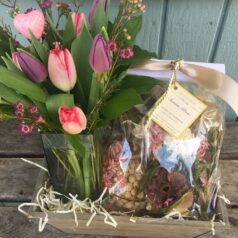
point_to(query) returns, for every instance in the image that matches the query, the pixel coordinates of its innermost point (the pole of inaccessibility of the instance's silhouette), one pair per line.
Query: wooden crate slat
(18, 179)
(13, 224)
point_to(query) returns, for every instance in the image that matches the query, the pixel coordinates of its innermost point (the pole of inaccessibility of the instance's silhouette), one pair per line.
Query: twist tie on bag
(175, 65)
(47, 202)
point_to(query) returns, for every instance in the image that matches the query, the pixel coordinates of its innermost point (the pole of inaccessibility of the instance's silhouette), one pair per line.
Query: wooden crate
(143, 227)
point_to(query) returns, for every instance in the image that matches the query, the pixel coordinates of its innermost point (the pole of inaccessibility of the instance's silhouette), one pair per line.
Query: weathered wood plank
(18, 179)
(229, 181)
(13, 144)
(230, 143)
(13, 224)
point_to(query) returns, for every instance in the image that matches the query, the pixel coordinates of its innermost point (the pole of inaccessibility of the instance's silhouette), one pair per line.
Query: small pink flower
(25, 129)
(19, 106)
(39, 119)
(126, 53)
(46, 4)
(112, 46)
(202, 149)
(72, 119)
(61, 4)
(33, 109)
(19, 113)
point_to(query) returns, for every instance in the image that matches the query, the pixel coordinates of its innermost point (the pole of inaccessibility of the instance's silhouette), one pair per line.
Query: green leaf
(133, 27)
(104, 33)
(22, 85)
(96, 88)
(69, 33)
(140, 53)
(141, 84)
(80, 50)
(12, 96)
(11, 66)
(76, 143)
(121, 103)
(40, 49)
(99, 19)
(53, 28)
(55, 101)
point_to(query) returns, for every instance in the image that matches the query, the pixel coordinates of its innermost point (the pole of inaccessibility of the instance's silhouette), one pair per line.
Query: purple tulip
(99, 57)
(94, 8)
(30, 66)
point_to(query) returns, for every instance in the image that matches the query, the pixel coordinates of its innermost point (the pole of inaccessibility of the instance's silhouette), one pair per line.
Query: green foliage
(80, 51)
(99, 19)
(133, 27)
(53, 29)
(69, 33)
(22, 85)
(55, 101)
(12, 96)
(141, 84)
(40, 49)
(121, 103)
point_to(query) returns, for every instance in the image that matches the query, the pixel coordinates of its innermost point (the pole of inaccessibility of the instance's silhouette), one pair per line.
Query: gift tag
(176, 110)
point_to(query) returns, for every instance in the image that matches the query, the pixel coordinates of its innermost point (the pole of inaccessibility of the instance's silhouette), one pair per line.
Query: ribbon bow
(213, 80)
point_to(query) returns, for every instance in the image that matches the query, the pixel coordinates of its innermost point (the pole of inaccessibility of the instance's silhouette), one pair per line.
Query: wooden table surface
(17, 181)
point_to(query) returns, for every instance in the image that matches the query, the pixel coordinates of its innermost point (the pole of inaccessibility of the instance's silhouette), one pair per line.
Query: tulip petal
(62, 69)
(72, 119)
(33, 21)
(78, 20)
(31, 67)
(99, 58)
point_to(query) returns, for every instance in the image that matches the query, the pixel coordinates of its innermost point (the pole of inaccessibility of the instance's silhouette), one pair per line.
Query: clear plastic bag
(170, 174)
(123, 167)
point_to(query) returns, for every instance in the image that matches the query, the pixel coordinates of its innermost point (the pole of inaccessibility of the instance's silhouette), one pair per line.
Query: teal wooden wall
(196, 30)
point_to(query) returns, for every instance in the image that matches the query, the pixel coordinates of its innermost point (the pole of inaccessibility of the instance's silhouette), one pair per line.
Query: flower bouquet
(105, 154)
(71, 81)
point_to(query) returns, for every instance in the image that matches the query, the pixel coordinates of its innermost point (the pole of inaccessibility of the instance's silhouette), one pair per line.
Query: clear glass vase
(74, 164)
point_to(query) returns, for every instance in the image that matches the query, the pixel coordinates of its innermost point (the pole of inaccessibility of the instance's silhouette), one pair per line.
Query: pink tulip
(100, 58)
(78, 20)
(94, 8)
(72, 119)
(32, 20)
(62, 69)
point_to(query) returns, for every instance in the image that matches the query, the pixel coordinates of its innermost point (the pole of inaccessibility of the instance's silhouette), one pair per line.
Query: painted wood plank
(227, 51)
(190, 27)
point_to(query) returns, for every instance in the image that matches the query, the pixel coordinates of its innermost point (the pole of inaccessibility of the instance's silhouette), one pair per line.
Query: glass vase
(74, 164)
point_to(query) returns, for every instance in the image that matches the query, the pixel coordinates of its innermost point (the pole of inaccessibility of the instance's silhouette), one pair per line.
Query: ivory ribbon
(215, 81)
